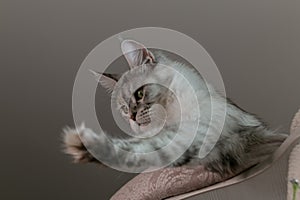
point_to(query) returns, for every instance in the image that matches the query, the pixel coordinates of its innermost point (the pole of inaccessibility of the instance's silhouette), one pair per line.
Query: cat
(244, 138)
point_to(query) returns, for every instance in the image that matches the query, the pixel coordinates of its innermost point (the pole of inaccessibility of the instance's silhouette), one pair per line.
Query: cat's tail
(250, 148)
(262, 146)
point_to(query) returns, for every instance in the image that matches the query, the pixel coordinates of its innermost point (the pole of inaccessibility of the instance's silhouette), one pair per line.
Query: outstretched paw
(75, 141)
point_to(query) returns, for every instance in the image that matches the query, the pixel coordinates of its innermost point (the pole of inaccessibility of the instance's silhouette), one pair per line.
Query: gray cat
(154, 100)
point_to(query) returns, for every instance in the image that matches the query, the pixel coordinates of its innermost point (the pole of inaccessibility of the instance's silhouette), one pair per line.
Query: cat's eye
(140, 94)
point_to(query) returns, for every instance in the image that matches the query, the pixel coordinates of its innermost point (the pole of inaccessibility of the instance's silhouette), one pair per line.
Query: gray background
(255, 44)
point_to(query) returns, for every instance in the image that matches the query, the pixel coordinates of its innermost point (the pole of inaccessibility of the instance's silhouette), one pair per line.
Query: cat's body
(244, 138)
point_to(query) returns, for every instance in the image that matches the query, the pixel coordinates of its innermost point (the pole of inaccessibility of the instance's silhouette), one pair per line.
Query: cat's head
(141, 94)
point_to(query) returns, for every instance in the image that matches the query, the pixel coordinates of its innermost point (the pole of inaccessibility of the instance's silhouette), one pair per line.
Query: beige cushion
(197, 183)
(294, 159)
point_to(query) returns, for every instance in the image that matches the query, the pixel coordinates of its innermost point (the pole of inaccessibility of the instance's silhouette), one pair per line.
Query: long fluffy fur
(244, 139)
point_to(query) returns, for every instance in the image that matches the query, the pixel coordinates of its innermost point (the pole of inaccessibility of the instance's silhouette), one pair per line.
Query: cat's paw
(75, 142)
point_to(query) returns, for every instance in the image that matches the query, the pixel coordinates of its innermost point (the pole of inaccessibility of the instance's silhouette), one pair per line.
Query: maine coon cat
(244, 138)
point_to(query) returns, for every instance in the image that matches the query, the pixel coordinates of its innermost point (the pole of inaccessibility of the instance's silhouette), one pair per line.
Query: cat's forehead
(129, 83)
(127, 91)
(137, 77)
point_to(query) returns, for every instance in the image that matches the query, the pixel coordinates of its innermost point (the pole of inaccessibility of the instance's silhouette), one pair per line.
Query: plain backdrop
(255, 44)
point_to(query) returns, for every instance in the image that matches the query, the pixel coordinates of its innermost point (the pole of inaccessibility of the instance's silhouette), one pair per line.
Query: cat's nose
(133, 116)
(133, 112)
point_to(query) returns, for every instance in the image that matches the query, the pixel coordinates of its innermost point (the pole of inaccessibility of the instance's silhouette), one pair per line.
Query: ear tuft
(107, 81)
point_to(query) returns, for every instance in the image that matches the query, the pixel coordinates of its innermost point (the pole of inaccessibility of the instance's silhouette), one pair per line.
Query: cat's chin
(139, 130)
(144, 131)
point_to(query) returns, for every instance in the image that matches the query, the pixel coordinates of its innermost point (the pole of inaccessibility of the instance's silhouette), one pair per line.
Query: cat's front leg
(134, 154)
(84, 145)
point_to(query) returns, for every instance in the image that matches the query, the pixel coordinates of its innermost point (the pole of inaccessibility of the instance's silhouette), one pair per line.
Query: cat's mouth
(144, 123)
(143, 118)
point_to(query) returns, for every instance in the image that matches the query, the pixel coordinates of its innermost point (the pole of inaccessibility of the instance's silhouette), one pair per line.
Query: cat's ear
(106, 80)
(136, 53)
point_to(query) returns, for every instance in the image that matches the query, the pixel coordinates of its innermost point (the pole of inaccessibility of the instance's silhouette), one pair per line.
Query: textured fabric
(167, 182)
(294, 170)
(173, 181)
(295, 123)
(294, 160)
